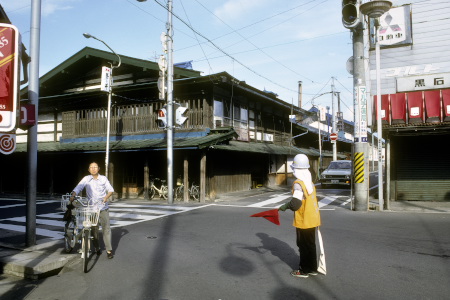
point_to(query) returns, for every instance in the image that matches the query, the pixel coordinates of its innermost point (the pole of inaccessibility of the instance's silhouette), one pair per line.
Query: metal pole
(108, 124)
(361, 189)
(108, 117)
(387, 143)
(379, 126)
(320, 144)
(33, 96)
(170, 105)
(333, 119)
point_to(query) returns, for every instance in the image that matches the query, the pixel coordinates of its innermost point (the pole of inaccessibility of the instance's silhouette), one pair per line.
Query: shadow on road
(278, 248)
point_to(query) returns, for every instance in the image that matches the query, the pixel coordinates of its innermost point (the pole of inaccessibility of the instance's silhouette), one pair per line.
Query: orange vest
(307, 216)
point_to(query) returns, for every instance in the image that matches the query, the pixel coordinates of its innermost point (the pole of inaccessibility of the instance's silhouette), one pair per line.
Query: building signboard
(423, 82)
(395, 28)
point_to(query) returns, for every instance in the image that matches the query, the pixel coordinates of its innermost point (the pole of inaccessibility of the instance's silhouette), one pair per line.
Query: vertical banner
(9, 76)
(105, 83)
(360, 104)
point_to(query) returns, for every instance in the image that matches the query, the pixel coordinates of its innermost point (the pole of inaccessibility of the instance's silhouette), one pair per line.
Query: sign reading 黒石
(423, 82)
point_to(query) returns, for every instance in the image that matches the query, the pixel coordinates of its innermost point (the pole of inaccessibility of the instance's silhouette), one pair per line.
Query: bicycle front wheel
(86, 246)
(195, 192)
(69, 236)
(164, 191)
(179, 193)
(151, 193)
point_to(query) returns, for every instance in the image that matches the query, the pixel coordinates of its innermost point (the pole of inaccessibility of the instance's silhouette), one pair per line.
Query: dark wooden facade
(233, 137)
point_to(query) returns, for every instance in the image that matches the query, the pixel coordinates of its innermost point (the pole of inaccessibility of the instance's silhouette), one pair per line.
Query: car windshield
(340, 165)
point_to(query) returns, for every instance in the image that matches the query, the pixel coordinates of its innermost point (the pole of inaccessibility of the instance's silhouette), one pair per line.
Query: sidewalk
(48, 258)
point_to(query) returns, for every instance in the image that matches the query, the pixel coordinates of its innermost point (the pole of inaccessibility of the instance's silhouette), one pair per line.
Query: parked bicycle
(77, 229)
(162, 191)
(194, 192)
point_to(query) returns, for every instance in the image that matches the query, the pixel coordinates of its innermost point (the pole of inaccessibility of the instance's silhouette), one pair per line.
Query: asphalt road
(219, 252)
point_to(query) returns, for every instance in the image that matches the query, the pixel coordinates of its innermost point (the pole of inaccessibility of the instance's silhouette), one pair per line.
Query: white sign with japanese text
(423, 82)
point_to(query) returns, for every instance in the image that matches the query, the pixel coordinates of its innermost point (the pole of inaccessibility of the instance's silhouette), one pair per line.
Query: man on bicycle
(98, 188)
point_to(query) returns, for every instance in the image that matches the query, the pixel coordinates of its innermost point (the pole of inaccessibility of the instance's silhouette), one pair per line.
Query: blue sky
(268, 44)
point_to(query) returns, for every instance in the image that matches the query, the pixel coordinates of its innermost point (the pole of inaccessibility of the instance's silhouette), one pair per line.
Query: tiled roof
(197, 142)
(270, 149)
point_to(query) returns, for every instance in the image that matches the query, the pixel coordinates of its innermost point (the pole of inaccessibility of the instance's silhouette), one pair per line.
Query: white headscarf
(305, 176)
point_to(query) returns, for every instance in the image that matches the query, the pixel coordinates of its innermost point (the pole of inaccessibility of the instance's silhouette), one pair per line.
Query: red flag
(271, 215)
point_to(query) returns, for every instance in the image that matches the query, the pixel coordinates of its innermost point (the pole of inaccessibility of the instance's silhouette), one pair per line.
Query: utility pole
(169, 104)
(351, 19)
(360, 157)
(333, 119)
(33, 96)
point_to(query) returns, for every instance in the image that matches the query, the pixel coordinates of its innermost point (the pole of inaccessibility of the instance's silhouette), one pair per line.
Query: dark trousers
(306, 242)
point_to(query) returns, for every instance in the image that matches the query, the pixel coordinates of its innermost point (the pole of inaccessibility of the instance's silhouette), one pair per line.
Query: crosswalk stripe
(39, 231)
(121, 214)
(327, 200)
(39, 221)
(273, 200)
(270, 203)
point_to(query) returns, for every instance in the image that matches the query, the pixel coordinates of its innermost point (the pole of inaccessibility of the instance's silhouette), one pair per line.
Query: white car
(339, 172)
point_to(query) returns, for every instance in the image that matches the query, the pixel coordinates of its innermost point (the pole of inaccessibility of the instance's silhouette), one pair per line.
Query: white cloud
(51, 6)
(48, 7)
(237, 9)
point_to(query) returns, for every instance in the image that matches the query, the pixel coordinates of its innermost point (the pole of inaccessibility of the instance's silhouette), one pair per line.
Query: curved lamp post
(375, 9)
(108, 125)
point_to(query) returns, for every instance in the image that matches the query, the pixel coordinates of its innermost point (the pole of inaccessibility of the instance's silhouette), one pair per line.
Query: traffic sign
(7, 143)
(333, 137)
(9, 76)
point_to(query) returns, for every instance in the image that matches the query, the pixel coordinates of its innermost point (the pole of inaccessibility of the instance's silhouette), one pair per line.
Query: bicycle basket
(64, 201)
(88, 216)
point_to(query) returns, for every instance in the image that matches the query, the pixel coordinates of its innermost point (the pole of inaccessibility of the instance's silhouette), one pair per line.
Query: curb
(35, 262)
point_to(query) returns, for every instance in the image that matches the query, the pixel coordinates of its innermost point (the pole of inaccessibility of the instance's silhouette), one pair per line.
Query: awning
(268, 148)
(185, 141)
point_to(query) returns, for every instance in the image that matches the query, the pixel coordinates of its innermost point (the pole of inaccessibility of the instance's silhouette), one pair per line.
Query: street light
(375, 9)
(108, 125)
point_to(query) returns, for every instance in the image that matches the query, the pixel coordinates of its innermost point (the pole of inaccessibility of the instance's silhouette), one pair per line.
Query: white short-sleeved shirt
(96, 189)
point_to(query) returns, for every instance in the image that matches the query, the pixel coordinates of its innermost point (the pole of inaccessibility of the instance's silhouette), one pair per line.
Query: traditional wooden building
(236, 137)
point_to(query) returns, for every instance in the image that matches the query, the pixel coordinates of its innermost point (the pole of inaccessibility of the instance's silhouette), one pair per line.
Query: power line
(223, 51)
(249, 25)
(254, 45)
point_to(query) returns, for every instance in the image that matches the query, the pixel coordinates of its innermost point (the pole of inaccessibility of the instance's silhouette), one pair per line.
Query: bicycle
(162, 191)
(77, 229)
(194, 192)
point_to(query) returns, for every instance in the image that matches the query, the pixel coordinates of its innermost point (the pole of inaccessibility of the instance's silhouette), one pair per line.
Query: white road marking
(44, 232)
(327, 200)
(121, 214)
(275, 199)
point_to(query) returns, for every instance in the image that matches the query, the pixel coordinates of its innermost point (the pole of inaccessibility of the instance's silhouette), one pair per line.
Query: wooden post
(111, 173)
(186, 179)
(111, 178)
(211, 180)
(286, 170)
(146, 179)
(52, 174)
(202, 177)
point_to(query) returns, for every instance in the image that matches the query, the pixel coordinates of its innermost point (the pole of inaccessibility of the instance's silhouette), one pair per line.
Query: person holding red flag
(306, 216)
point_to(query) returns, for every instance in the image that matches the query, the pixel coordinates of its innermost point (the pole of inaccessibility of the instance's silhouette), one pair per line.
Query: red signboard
(27, 115)
(9, 76)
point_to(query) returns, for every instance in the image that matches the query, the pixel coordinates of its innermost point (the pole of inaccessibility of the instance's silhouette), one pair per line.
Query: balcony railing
(127, 120)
